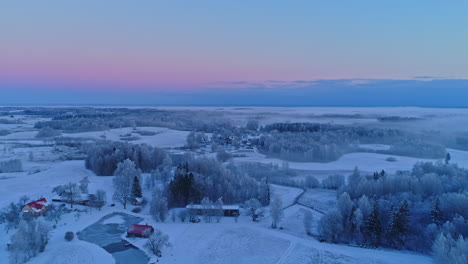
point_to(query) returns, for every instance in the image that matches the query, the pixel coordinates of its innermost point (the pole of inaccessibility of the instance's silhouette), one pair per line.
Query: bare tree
(158, 206)
(157, 241)
(218, 208)
(276, 211)
(54, 213)
(100, 198)
(253, 207)
(69, 191)
(84, 184)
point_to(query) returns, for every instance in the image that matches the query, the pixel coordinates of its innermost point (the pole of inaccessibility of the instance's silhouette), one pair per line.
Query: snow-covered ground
(367, 162)
(248, 242)
(230, 241)
(320, 199)
(287, 194)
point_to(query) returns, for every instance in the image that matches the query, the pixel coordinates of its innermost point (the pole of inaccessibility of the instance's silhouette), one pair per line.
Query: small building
(228, 210)
(36, 207)
(140, 231)
(137, 201)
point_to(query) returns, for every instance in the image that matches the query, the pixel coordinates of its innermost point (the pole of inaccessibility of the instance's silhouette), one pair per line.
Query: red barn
(37, 207)
(140, 231)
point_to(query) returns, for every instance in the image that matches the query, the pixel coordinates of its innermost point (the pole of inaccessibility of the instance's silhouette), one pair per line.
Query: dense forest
(404, 211)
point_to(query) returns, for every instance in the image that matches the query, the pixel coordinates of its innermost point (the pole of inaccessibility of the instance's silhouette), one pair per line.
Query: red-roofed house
(140, 231)
(36, 207)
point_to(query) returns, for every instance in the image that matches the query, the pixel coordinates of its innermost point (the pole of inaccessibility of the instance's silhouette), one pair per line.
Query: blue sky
(122, 52)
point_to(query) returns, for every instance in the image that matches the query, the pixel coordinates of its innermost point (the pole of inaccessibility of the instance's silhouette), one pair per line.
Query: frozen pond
(107, 234)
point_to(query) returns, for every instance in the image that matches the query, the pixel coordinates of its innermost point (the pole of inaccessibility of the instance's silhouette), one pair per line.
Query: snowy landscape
(234, 132)
(233, 185)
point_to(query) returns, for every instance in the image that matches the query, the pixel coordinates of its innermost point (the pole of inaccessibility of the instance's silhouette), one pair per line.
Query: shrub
(69, 236)
(136, 210)
(48, 132)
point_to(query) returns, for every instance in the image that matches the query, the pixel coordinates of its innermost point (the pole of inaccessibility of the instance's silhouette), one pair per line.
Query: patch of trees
(402, 211)
(14, 165)
(10, 122)
(126, 183)
(47, 132)
(196, 140)
(103, 158)
(267, 173)
(77, 125)
(398, 119)
(29, 240)
(202, 177)
(325, 142)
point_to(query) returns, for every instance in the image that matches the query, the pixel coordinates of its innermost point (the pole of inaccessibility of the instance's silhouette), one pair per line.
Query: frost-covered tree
(330, 225)
(196, 140)
(311, 182)
(398, 225)
(157, 241)
(365, 206)
(123, 180)
(222, 155)
(84, 184)
(345, 205)
(448, 250)
(356, 220)
(218, 207)
(54, 213)
(207, 209)
(373, 225)
(276, 211)
(23, 200)
(11, 216)
(158, 206)
(333, 182)
(254, 209)
(29, 240)
(252, 125)
(308, 218)
(436, 213)
(70, 192)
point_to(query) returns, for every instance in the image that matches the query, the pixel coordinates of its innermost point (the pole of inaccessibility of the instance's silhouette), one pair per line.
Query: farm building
(228, 210)
(36, 207)
(140, 231)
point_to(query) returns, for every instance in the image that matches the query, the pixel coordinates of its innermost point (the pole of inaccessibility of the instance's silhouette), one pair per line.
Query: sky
(307, 53)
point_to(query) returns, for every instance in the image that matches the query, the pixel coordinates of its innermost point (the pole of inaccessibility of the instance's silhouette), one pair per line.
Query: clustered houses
(140, 231)
(36, 208)
(228, 210)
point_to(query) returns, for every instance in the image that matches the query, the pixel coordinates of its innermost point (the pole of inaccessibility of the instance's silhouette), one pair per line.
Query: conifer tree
(136, 188)
(373, 225)
(436, 213)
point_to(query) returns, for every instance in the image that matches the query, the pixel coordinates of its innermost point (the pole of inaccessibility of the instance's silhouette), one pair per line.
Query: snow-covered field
(366, 162)
(320, 199)
(230, 241)
(247, 242)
